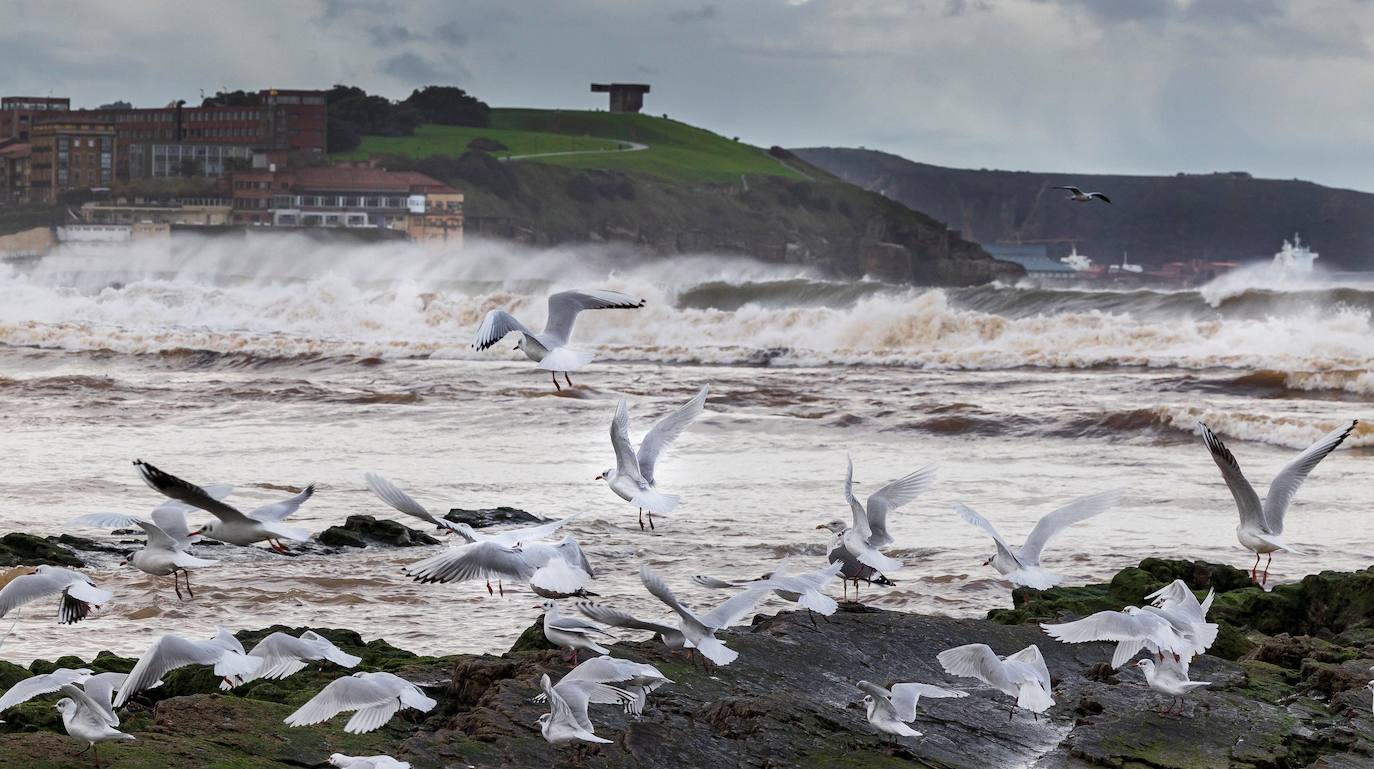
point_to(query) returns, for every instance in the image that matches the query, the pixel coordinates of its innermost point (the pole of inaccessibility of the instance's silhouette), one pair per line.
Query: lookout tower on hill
(625, 97)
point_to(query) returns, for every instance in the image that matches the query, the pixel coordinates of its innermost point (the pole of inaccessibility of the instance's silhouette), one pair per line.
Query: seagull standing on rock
(1171, 678)
(632, 478)
(856, 546)
(232, 526)
(550, 348)
(1022, 566)
(86, 721)
(570, 633)
(1261, 523)
(1079, 196)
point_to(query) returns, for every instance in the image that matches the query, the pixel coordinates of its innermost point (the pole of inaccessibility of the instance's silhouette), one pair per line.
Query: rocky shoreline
(1288, 690)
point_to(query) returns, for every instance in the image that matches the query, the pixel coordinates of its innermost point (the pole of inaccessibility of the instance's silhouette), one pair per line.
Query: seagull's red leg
(1265, 580)
(489, 590)
(1254, 569)
(641, 519)
(651, 520)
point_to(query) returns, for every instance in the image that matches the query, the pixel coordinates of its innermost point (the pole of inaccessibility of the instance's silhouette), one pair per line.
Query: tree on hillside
(354, 113)
(116, 105)
(449, 105)
(238, 98)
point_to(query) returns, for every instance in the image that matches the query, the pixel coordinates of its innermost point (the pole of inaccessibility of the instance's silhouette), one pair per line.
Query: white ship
(1077, 261)
(1294, 257)
(1126, 266)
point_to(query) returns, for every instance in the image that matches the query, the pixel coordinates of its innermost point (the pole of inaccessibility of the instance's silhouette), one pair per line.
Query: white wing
(658, 589)
(565, 305)
(969, 516)
(1286, 483)
(279, 511)
(667, 430)
(528, 534)
(495, 326)
(736, 609)
(101, 688)
(1049, 526)
(905, 697)
(860, 514)
(37, 686)
(399, 500)
(32, 587)
(478, 560)
(608, 615)
(626, 463)
(975, 661)
(893, 496)
(165, 655)
(349, 693)
(1247, 501)
(189, 493)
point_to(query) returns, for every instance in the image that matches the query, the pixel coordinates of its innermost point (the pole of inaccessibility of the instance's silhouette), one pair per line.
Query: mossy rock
(19, 549)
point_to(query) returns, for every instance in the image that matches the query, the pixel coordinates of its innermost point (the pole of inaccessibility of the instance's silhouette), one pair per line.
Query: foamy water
(256, 364)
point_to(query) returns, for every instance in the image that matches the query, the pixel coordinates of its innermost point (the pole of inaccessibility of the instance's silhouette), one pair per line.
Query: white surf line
(633, 147)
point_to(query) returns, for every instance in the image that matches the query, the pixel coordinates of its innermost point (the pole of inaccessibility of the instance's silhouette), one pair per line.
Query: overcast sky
(1280, 89)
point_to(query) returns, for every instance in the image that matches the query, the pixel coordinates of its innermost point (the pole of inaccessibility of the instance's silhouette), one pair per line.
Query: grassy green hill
(675, 150)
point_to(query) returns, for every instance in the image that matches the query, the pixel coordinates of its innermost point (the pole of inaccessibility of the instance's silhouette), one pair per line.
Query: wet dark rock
(362, 530)
(19, 549)
(491, 516)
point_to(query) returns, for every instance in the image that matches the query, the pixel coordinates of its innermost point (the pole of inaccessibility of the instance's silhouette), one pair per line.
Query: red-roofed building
(349, 196)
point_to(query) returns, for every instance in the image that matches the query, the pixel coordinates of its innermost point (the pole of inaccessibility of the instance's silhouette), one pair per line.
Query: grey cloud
(413, 68)
(382, 37)
(705, 12)
(451, 34)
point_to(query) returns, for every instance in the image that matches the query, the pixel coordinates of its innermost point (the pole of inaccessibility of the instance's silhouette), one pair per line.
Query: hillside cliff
(1155, 219)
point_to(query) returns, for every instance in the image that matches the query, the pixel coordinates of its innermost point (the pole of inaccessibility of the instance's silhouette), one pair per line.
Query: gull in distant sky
(1261, 523)
(160, 556)
(1022, 566)
(550, 348)
(1079, 196)
(856, 546)
(232, 526)
(632, 478)
(1022, 675)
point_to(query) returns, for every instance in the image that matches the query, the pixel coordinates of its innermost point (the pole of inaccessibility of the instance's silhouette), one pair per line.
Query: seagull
(856, 546)
(550, 348)
(699, 632)
(1133, 629)
(637, 678)
(632, 478)
(366, 762)
(376, 696)
(891, 711)
(672, 637)
(169, 652)
(402, 502)
(86, 720)
(1261, 523)
(283, 656)
(78, 593)
(232, 526)
(1080, 196)
(170, 516)
(100, 687)
(806, 590)
(551, 570)
(567, 719)
(162, 555)
(570, 633)
(1172, 679)
(1022, 566)
(1022, 675)
(1176, 604)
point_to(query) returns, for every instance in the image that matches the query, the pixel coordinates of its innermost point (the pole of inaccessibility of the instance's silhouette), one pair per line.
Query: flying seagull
(1022, 675)
(636, 678)
(1132, 628)
(567, 719)
(402, 502)
(550, 348)
(223, 652)
(806, 589)
(232, 526)
(552, 571)
(376, 696)
(699, 631)
(100, 687)
(632, 478)
(78, 594)
(857, 546)
(891, 710)
(1022, 566)
(161, 555)
(1080, 196)
(283, 656)
(1261, 523)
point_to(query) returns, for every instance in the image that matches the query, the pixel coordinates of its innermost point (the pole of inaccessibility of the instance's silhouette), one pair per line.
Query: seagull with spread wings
(87, 720)
(699, 631)
(550, 348)
(78, 594)
(567, 719)
(1079, 196)
(552, 571)
(234, 527)
(284, 655)
(1261, 522)
(891, 710)
(1022, 675)
(637, 678)
(376, 696)
(160, 556)
(100, 687)
(857, 546)
(224, 653)
(1021, 566)
(632, 478)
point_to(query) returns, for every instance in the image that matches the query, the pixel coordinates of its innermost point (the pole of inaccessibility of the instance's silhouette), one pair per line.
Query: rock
(359, 530)
(491, 516)
(19, 549)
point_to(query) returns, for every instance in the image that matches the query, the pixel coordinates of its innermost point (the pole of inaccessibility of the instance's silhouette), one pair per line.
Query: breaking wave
(238, 304)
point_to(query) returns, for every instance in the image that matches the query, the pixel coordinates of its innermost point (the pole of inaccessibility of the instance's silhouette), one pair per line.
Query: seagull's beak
(516, 347)
(600, 477)
(197, 532)
(821, 526)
